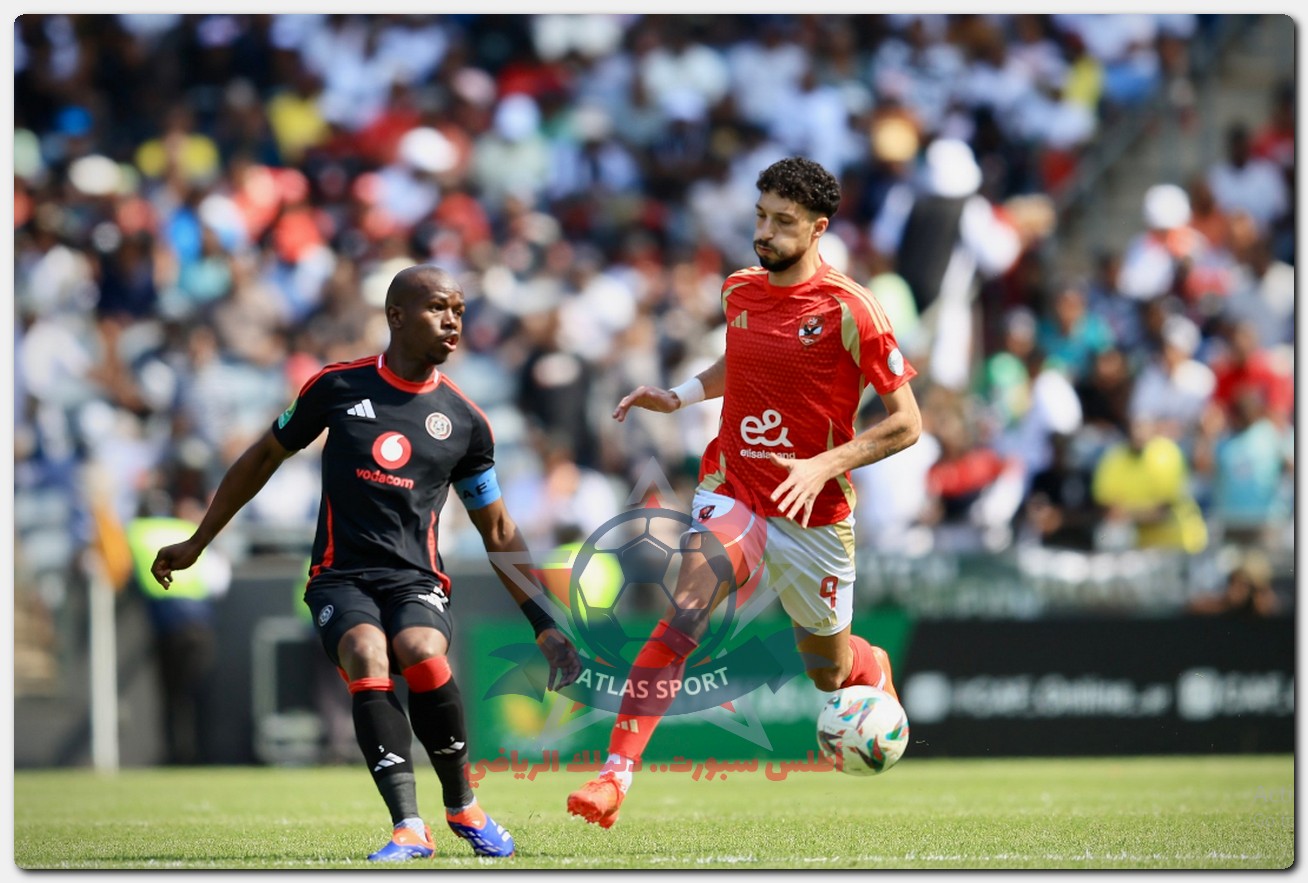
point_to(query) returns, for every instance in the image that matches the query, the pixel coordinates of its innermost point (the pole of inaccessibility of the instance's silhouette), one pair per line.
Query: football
(862, 730)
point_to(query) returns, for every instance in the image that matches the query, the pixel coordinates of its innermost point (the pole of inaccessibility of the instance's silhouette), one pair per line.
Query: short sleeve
(480, 455)
(867, 334)
(306, 417)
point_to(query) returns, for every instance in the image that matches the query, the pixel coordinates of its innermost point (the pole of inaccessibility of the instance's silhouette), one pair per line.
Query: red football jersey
(798, 359)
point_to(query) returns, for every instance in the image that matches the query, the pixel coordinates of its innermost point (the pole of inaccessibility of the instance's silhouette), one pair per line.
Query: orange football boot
(598, 800)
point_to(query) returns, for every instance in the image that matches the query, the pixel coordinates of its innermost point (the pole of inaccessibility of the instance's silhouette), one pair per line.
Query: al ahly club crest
(810, 329)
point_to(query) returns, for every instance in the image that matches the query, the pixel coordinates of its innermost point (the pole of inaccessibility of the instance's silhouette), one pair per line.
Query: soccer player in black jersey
(399, 435)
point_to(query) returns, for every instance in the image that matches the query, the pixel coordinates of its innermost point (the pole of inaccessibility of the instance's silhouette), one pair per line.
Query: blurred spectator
(1005, 384)
(1206, 216)
(681, 72)
(1245, 183)
(943, 234)
(1157, 261)
(1105, 394)
(1070, 335)
(1125, 44)
(812, 120)
(1246, 365)
(766, 71)
(513, 158)
(972, 490)
(1143, 485)
(553, 387)
(126, 277)
(1054, 410)
(1262, 294)
(1173, 390)
(1248, 592)
(893, 500)
(597, 306)
(1274, 140)
(1253, 467)
(896, 299)
(563, 498)
(409, 188)
(1104, 299)
(183, 619)
(918, 66)
(1059, 509)
(180, 153)
(295, 115)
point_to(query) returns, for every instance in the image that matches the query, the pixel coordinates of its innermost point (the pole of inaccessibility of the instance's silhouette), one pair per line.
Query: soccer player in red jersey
(400, 435)
(803, 341)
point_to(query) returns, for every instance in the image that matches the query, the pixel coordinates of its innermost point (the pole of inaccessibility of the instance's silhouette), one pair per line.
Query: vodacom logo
(756, 431)
(391, 450)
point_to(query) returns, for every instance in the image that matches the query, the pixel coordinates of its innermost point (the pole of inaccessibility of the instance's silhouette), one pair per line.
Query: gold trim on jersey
(846, 488)
(749, 274)
(716, 479)
(878, 316)
(844, 530)
(849, 335)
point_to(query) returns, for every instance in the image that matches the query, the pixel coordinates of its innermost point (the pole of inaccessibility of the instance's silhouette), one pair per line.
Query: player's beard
(778, 264)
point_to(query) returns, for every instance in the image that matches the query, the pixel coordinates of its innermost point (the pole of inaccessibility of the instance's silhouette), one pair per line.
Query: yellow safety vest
(145, 537)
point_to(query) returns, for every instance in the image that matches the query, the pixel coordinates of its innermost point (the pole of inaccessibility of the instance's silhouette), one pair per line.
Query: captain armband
(478, 490)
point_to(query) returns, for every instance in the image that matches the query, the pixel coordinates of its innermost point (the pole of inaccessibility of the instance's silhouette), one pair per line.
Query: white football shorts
(811, 569)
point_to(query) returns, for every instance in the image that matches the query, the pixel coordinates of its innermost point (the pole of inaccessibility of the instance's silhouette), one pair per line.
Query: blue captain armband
(478, 490)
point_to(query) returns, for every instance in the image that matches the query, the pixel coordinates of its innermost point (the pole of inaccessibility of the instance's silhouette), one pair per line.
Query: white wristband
(689, 393)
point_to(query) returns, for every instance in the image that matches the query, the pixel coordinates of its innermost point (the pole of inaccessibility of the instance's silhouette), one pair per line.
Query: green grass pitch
(1174, 812)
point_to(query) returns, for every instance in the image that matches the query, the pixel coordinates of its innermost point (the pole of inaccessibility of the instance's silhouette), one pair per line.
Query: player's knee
(700, 588)
(363, 653)
(828, 678)
(413, 645)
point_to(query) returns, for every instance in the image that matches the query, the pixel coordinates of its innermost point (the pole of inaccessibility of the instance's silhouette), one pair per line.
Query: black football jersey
(393, 449)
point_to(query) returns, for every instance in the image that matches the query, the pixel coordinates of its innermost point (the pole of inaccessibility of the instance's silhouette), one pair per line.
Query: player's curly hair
(803, 181)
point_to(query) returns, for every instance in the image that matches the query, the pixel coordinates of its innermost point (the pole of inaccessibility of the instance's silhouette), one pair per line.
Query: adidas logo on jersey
(363, 409)
(740, 321)
(629, 725)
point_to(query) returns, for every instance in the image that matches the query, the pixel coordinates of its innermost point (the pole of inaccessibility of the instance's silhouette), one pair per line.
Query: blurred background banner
(1100, 687)
(1082, 228)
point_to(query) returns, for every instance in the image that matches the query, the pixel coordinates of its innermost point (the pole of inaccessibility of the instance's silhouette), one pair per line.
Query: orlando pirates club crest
(810, 329)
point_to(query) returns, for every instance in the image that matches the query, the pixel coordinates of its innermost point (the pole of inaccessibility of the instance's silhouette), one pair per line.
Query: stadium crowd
(208, 209)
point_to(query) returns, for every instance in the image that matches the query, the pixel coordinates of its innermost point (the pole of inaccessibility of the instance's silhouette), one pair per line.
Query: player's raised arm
(708, 384)
(243, 480)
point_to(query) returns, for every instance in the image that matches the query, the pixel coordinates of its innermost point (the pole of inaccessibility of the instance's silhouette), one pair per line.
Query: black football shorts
(392, 600)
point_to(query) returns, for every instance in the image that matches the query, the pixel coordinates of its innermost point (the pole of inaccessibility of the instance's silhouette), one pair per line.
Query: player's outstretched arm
(243, 480)
(708, 384)
(806, 478)
(499, 534)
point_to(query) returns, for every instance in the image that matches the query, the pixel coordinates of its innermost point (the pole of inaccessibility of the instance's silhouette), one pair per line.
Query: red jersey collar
(399, 382)
(780, 291)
